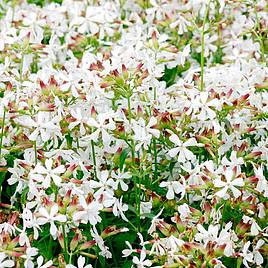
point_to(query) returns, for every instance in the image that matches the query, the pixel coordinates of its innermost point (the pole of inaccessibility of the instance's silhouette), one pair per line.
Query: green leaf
(232, 214)
(36, 2)
(123, 157)
(230, 262)
(102, 261)
(171, 166)
(218, 56)
(169, 76)
(23, 197)
(69, 140)
(2, 176)
(127, 264)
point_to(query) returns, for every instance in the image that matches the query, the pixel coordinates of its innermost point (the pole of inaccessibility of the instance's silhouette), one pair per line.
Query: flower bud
(87, 245)
(155, 41)
(125, 72)
(61, 240)
(74, 242)
(252, 155)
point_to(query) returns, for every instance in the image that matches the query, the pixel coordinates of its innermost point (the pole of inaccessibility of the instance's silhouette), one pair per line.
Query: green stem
(133, 226)
(139, 205)
(65, 239)
(21, 66)
(218, 18)
(203, 46)
(70, 259)
(35, 152)
(136, 189)
(129, 109)
(138, 198)
(155, 160)
(2, 131)
(129, 119)
(258, 28)
(94, 159)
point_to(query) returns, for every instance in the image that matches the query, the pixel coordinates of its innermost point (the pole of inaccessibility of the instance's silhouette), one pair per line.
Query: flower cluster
(133, 133)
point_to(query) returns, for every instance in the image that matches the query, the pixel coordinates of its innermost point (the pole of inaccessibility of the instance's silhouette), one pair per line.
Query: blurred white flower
(4, 262)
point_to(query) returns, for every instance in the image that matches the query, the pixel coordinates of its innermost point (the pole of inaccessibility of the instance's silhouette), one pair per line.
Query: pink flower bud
(74, 242)
(87, 245)
(252, 155)
(61, 240)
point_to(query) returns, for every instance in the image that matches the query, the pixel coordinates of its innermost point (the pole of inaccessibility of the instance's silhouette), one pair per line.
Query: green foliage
(123, 157)
(89, 42)
(230, 262)
(2, 176)
(170, 75)
(233, 214)
(46, 245)
(41, 3)
(7, 190)
(118, 244)
(217, 57)
(36, 2)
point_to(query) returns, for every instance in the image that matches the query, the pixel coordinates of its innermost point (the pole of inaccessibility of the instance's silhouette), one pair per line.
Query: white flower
(181, 148)
(5, 262)
(127, 252)
(7, 228)
(104, 249)
(246, 254)
(119, 179)
(173, 243)
(23, 237)
(142, 262)
(255, 228)
(261, 209)
(49, 173)
(154, 222)
(207, 235)
(90, 212)
(226, 237)
(205, 107)
(234, 162)
(230, 183)
(209, 46)
(145, 207)
(182, 24)
(104, 185)
(80, 263)
(158, 247)
(180, 59)
(174, 187)
(184, 211)
(41, 264)
(143, 133)
(43, 125)
(51, 217)
(258, 259)
(102, 126)
(30, 221)
(30, 253)
(119, 208)
(80, 120)
(262, 185)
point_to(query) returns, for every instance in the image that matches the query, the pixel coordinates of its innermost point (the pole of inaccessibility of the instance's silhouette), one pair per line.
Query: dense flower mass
(133, 133)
